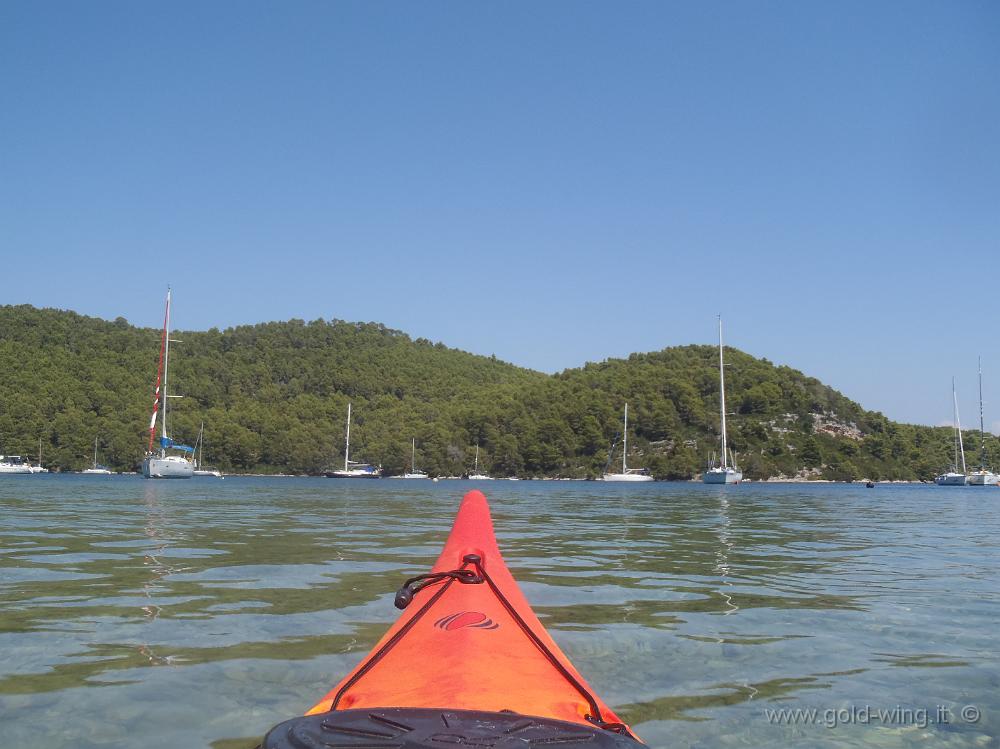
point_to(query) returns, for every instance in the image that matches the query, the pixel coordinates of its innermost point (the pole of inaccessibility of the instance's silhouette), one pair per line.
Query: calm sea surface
(199, 613)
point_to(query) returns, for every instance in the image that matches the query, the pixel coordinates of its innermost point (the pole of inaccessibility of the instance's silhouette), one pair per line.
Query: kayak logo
(473, 619)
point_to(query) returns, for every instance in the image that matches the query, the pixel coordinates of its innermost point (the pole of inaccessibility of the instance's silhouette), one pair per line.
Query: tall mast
(982, 426)
(476, 469)
(958, 430)
(347, 446)
(159, 375)
(166, 363)
(201, 445)
(722, 396)
(413, 455)
(954, 420)
(95, 453)
(625, 440)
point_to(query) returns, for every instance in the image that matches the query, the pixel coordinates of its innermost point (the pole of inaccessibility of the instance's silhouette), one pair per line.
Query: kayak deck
(467, 640)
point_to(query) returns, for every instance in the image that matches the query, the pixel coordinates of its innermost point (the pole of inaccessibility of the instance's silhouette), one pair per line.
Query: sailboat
(97, 469)
(722, 473)
(160, 465)
(982, 477)
(627, 474)
(38, 468)
(953, 477)
(14, 464)
(414, 473)
(353, 470)
(476, 475)
(199, 452)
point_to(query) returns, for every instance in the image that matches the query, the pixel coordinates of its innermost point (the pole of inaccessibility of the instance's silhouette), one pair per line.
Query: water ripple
(199, 613)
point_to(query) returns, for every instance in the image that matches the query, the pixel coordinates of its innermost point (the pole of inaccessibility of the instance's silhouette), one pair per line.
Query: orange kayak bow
(467, 663)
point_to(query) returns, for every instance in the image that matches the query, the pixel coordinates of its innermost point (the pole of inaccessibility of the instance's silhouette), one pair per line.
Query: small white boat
(167, 467)
(634, 474)
(199, 448)
(982, 477)
(353, 469)
(38, 468)
(722, 473)
(953, 477)
(627, 474)
(14, 464)
(414, 473)
(97, 469)
(162, 465)
(476, 475)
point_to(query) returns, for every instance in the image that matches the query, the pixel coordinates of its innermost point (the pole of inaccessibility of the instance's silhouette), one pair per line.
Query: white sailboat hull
(14, 464)
(169, 467)
(983, 478)
(952, 479)
(9, 468)
(354, 473)
(208, 472)
(626, 477)
(721, 476)
(479, 477)
(415, 476)
(97, 472)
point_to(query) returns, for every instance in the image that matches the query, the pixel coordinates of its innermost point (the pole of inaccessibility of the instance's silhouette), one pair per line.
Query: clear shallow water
(199, 613)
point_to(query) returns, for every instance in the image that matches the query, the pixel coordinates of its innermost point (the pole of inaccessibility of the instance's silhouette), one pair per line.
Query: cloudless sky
(552, 182)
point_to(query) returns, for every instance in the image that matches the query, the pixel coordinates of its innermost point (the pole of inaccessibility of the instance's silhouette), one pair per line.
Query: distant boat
(722, 473)
(353, 470)
(199, 451)
(14, 464)
(97, 469)
(414, 473)
(38, 468)
(953, 477)
(982, 477)
(162, 465)
(627, 474)
(476, 475)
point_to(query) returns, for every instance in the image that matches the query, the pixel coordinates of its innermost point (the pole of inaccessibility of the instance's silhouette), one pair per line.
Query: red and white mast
(159, 376)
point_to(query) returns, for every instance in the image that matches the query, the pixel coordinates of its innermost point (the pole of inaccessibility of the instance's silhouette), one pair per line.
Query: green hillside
(274, 398)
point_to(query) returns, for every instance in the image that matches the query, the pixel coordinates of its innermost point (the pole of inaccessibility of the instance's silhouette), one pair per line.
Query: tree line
(273, 398)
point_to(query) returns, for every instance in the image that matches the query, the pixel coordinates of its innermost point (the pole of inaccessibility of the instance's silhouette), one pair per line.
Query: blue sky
(553, 182)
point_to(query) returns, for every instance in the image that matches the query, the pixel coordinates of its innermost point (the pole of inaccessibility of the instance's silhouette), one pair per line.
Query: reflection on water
(199, 613)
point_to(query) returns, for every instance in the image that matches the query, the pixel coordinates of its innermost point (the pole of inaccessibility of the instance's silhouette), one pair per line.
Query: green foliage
(274, 397)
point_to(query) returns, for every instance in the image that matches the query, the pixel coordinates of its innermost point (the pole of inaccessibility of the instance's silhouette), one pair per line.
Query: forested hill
(274, 397)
